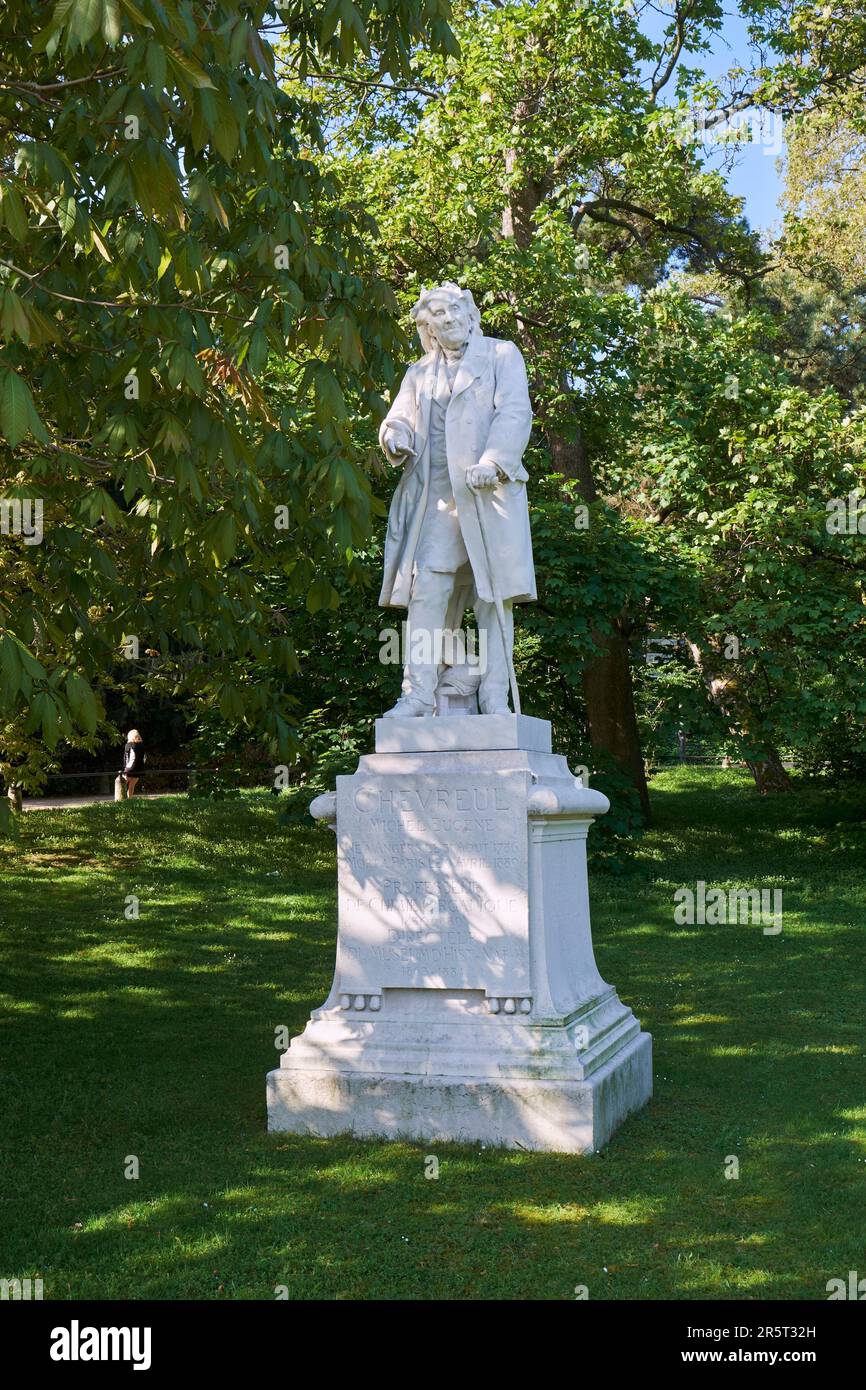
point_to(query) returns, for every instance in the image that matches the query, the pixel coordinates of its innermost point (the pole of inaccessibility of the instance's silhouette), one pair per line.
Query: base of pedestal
(553, 1116)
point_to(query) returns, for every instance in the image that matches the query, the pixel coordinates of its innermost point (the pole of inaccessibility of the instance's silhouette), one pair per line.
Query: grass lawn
(151, 1037)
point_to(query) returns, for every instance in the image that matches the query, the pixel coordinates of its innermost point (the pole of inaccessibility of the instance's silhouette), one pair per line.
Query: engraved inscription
(433, 882)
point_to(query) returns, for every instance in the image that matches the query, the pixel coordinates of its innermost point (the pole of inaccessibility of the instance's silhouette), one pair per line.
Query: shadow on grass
(151, 1038)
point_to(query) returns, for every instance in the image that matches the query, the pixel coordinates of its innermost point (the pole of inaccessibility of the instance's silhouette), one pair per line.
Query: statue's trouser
(429, 615)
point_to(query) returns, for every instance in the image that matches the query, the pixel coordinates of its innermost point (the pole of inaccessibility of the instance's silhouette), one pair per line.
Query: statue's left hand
(482, 475)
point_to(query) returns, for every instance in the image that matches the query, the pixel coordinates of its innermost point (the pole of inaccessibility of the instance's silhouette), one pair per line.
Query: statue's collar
(454, 356)
(470, 364)
(468, 368)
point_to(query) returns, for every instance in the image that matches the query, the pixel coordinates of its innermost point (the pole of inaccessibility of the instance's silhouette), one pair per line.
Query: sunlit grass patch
(151, 1037)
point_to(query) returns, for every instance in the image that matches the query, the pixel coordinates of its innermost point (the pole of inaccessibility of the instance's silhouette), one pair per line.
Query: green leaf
(82, 702)
(226, 135)
(188, 73)
(222, 538)
(112, 25)
(14, 320)
(322, 594)
(83, 22)
(54, 25)
(156, 65)
(17, 412)
(136, 14)
(44, 715)
(13, 211)
(202, 194)
(67, 215)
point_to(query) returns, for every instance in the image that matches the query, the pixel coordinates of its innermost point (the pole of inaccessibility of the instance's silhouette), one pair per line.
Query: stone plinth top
(563, 799)
(472, 733)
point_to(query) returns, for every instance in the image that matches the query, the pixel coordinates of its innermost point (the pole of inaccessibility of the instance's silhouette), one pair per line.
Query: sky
(754, 175)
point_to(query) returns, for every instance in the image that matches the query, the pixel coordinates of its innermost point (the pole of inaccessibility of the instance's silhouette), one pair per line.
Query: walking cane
(497, 601)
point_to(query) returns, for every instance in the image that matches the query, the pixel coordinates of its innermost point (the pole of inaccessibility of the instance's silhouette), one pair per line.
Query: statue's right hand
(397, 441)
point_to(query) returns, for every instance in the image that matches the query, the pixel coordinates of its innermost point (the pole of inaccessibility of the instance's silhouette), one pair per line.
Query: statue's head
(446, 315)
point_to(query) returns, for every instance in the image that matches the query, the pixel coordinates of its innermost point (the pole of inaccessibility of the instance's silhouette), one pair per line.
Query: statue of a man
(458, 530)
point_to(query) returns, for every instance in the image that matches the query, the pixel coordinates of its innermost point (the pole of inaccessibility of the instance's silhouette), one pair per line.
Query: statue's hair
(419, 311)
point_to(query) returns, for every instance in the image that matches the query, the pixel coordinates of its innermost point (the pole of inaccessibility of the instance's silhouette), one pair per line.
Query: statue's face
(448, 320)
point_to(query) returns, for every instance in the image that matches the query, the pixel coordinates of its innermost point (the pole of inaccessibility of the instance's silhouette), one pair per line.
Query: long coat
(488, 420)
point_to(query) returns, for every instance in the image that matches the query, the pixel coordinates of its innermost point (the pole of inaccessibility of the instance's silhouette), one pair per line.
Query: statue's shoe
(495, 709)
(408, 708)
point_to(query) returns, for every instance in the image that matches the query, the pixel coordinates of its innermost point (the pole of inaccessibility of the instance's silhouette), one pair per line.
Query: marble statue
(458, 529)
(466, 1004)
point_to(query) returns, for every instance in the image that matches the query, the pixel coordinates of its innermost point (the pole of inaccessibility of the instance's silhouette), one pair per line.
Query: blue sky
(754, 175)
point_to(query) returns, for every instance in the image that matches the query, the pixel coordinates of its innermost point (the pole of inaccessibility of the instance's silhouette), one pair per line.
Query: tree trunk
(607, 684)
(608, 691)
(569, 458)
(742, 720)
(769, 773)
(610, 712)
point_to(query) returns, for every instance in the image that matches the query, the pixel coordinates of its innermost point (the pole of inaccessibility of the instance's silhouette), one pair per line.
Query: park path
(69, 803)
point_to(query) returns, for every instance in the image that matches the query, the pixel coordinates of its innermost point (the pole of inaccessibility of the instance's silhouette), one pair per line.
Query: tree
(158, 196)
(817, 293)
(541, 168)
(556, 166)
(825, 190)
(750, 479)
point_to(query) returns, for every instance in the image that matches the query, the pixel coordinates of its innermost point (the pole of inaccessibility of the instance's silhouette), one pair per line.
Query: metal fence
(157, 779)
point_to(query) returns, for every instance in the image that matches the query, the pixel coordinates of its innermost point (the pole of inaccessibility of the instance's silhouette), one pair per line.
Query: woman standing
(133, 760)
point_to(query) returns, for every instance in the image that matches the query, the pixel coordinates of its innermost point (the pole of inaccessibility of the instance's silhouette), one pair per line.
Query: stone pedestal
(466, 1002)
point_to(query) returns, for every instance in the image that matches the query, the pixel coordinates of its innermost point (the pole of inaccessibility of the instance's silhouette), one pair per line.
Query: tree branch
(60, 86)
(662, 76)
